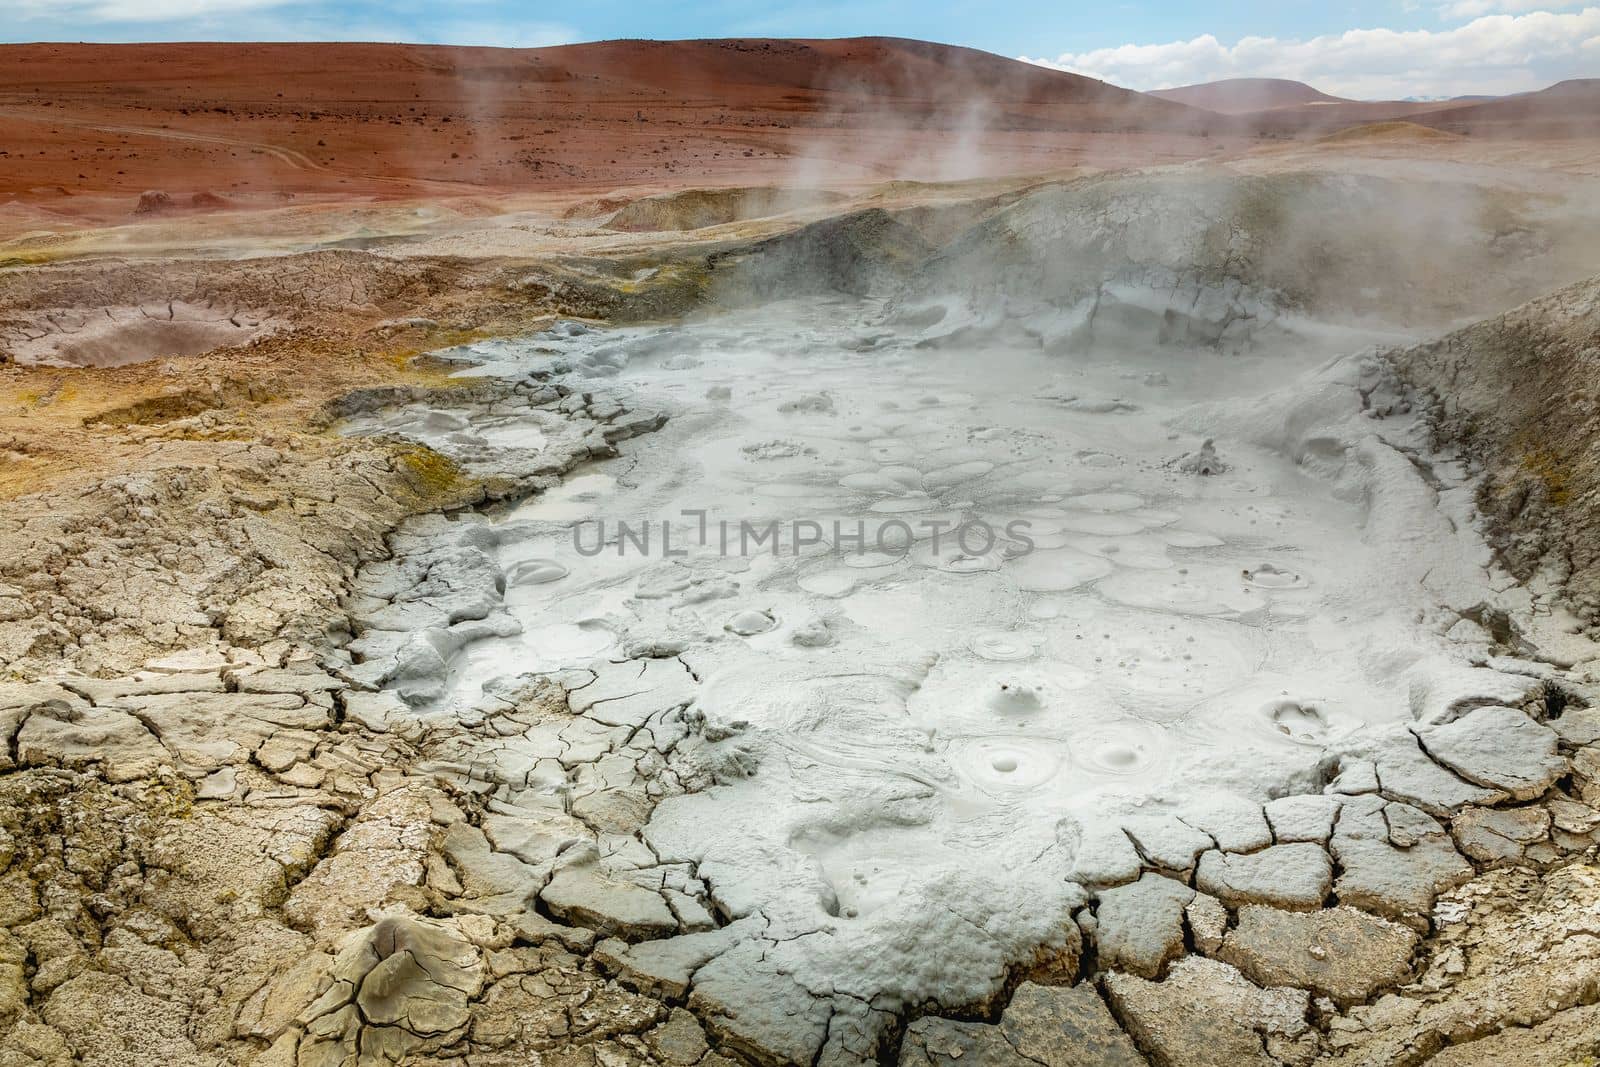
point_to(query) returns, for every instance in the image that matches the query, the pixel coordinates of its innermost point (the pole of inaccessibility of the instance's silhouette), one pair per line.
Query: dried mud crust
(238, 857)
(1517, 392)
(194, 516)
(1375, 922)
(165, 502)
(280, 856)
(224, 535)
(243, 541)
(108, 312)
(154, 506)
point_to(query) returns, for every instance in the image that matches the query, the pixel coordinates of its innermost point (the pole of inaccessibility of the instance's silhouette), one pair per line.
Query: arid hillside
(86, 129)
(1277, 108)
(1237, 96)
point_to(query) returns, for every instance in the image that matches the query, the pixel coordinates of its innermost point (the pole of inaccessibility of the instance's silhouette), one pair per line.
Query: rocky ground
(228, 835)
(1516, 393)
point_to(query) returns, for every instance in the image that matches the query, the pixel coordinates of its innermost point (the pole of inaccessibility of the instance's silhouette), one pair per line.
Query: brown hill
(1283, 108)
(1278, 107)
(1566, 109)
(1316, 120)
(1237, 96)
(1394, 132)
(266, 120)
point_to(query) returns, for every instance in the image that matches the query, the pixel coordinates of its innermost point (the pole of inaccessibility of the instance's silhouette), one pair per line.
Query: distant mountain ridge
(1237, 96)
(1284, 108)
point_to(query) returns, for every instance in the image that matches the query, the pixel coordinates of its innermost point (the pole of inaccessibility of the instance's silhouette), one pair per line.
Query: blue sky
(1363, 48)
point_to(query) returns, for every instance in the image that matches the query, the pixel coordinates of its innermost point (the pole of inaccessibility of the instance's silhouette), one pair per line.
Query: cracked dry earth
(285, 855)
(360, 768)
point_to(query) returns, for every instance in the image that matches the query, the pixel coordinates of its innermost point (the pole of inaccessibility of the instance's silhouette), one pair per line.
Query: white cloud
(1492, 54)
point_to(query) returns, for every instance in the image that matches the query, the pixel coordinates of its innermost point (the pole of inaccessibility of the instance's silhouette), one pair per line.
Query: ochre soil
(85, 129)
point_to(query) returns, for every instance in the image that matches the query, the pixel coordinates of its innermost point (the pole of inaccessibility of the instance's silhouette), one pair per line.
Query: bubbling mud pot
(964, 637)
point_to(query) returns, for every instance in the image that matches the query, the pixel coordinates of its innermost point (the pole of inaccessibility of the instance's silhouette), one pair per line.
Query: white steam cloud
(1493, 54)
